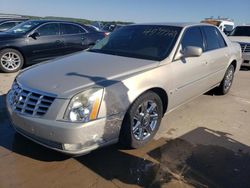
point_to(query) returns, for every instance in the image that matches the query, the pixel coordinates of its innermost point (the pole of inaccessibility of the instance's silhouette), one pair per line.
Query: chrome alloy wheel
(145, 120)
(229, 79)
(10, 61)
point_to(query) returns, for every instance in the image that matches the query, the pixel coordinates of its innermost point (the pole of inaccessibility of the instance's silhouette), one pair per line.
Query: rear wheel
(227, 81)
(11, 60)
(142, 120)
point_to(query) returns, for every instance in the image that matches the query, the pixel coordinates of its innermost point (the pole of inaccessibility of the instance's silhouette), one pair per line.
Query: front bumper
(246, 59)
(60, 135)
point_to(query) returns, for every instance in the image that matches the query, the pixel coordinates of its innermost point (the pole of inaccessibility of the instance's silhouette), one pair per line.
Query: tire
(227, 81)
(141, 121)
(11, 60)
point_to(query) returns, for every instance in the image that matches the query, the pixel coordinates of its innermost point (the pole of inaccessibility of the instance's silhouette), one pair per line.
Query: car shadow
(244, 68)
(204, 158)
(200, 158)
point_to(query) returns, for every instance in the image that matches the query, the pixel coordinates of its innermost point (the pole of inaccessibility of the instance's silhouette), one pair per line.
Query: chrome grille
(245, 47)
(29, 102)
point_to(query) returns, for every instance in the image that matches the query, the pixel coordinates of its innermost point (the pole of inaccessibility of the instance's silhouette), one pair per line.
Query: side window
(71, 29)
(220, 39)
(192, 37)
(48, 29)
(6, 26)
(211, 38)
(16, 23)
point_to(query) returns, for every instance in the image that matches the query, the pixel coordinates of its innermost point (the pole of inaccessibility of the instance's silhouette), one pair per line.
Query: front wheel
(227, 81)
(11, 60)
(142, 120)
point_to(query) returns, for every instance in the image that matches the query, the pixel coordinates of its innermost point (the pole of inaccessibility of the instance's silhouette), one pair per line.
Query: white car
(241, 34)
(224, 24)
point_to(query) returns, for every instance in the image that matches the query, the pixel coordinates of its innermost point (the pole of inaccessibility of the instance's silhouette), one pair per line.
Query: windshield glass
(24, 27)
(241, 31)
(228, 28)
(150, 42)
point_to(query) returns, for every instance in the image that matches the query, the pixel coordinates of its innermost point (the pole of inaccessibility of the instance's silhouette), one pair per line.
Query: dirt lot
(204, 143)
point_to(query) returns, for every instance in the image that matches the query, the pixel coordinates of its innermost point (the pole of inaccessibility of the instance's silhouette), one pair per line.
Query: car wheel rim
(10, 61)
(228, 79)
(145, 120)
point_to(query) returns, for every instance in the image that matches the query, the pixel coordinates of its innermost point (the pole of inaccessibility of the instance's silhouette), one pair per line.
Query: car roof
(47, 21)
(246, 25)
(176, 24)
(15, 19)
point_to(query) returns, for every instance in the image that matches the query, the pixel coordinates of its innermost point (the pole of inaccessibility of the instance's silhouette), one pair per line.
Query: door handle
(59, 42)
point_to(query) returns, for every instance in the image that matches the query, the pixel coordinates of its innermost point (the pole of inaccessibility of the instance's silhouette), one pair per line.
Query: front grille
(245, 47)
(29, 102)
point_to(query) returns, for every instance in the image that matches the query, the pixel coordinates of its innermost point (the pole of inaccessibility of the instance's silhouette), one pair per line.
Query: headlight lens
(84, 106)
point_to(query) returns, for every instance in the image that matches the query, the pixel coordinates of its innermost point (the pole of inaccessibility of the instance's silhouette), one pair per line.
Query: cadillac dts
(119, 90)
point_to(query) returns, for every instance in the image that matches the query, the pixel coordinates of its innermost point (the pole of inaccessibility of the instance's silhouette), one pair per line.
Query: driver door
(191, 72)
(47, 44)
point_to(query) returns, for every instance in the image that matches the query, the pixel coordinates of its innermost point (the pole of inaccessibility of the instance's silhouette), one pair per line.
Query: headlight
(84, 106)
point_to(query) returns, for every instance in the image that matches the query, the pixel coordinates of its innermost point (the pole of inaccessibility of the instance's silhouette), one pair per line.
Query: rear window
(153, 42)
(243, 31)
(71, 29)
(211, 35)
(221, 39)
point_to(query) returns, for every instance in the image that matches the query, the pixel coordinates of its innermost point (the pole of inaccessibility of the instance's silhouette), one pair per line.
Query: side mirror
(191, 51)
(34, 35)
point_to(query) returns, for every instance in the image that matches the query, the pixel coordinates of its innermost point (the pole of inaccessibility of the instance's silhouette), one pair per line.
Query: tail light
(106, 33)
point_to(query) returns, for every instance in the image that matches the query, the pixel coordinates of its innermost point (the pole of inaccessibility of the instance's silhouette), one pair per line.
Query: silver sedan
(119, 90)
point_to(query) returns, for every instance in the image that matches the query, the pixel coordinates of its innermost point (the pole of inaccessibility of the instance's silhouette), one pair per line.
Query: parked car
(241, 34)
(6, 24)
(91, 27)
(120, 89)
(97, 24)
(109, 28)
(39, 40)
(225, 24)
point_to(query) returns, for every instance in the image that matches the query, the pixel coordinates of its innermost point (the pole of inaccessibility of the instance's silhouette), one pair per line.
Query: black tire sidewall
(2, 52)
(126, 136)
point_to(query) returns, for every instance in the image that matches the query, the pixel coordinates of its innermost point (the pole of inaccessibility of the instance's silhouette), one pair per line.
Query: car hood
(240, 39)
(74, 73)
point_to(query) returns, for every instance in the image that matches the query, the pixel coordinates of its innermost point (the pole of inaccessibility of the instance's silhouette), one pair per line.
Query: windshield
(140, 41)
(228, 28)
(241, 31)
(24, 27)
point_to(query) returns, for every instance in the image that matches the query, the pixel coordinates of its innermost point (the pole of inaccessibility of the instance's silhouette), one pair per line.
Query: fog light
(72, 147)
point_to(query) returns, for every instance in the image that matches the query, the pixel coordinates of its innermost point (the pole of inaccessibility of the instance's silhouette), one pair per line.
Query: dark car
(6, 24)
(111, 27)
(34, 41)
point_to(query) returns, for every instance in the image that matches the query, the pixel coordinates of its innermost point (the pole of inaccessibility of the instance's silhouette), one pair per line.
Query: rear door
(48, 44)
(190, 73)
(217, 54)
(74, 36)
